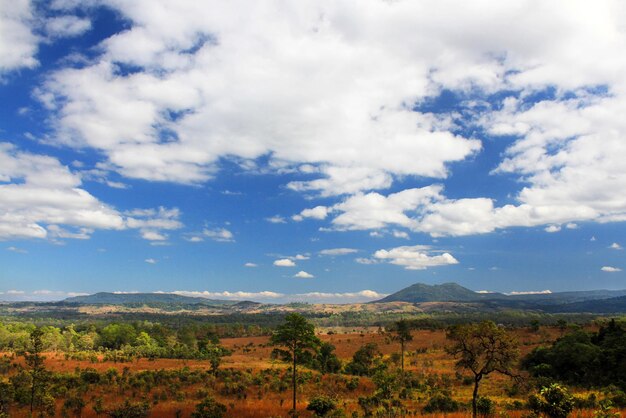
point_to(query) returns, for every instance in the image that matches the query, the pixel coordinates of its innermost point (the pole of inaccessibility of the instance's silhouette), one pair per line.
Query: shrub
(321, 405)
(555, 401)
(209, 408)
(130, 410)
(441, 402)
(485, 407)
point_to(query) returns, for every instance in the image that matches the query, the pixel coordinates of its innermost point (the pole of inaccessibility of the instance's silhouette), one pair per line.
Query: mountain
(576, 301)
(447, 292)
(106, 298)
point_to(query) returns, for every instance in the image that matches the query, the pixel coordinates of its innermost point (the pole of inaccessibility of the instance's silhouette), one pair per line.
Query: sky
(320, 151)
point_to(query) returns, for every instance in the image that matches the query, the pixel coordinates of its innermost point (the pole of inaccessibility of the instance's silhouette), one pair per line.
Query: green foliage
(365, 361)
(209, 408)
(485, 407)
(606, 409)
(441, 402)
(593, 359)
(326, 361)
(322, 406)
(130, 410)
(553, 401)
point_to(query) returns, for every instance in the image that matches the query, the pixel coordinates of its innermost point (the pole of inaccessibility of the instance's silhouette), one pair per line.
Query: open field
(239, 387)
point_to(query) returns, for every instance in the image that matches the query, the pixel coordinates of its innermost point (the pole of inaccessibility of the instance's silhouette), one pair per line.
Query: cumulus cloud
(553, 228)
(338, 251)
(284, 262)
(17, 250)
(615, 246)
(150, 261)
(530, 292)
(609, 269)
(202, 70)
(416, 257)
(277, 297)
(219, 234)
(66, 26)
(250, 265)
(336, 87)
(18, 42)
(303, 275)
(38, 195)
(318, 212)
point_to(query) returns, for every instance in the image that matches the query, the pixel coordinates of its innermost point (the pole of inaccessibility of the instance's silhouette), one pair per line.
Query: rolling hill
(106, 298)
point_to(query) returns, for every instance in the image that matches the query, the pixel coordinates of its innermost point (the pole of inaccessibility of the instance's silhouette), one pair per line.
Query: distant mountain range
(581, 301)
(106, 298)
(454, 295)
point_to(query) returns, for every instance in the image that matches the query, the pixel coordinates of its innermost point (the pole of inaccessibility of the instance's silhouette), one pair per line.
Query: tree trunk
(475, 395)
(293, 381)
(402, 356)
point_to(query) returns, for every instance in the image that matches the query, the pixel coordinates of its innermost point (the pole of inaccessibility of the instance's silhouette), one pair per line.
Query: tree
(326, 360)
(402, 333)
(297, 335)
(364, 361)
(38, 396)
(482, 348)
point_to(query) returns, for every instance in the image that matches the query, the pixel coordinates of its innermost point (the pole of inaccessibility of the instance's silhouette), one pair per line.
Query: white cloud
(219, 234)
(615, 246)
(400, 234)
(284, 262)
(530, 292)
(38, 195)
(151, 222)
(250, 265)
(609, 269)
(15, 292)
(318, 212)
(17, 250)
(416, 257)
(276, 219)
(338, 251)
(66, 26)
(229, 295)
(335, 85)
(18, 42)
(571, 225)
(363, 260)
(301, 257)
(277, 297)
(150, 261)
(206, 68)
(303, 275)
(553, 228)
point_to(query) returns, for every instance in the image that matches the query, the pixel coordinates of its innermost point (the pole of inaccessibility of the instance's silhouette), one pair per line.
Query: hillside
(447, 292)
(106, 298)
(573, 301)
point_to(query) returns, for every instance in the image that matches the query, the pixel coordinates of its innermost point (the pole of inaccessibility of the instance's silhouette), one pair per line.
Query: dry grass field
(425, 355)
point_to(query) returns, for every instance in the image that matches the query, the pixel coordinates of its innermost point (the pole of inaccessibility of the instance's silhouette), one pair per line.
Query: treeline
(588, 359)
(118, 340)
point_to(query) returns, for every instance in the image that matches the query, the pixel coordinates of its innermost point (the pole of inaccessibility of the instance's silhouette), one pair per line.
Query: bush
(130, 410)
(209, 408)
(441, 402)
(555, 401)
(485, 406)
(321, 406)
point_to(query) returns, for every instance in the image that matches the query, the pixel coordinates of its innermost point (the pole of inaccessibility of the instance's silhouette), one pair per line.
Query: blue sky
(320, 151)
